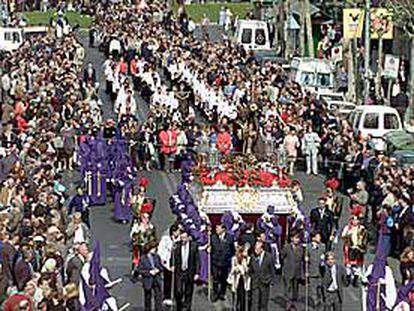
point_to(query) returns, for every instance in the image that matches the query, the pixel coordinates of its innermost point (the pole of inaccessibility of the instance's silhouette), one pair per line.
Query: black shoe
(222, 298)
(355, 282)
(347, 280)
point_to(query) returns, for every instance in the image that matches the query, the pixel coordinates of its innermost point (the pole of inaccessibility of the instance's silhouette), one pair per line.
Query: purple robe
(374, 288)
(202, 243)
(98, 195)
(122, 210)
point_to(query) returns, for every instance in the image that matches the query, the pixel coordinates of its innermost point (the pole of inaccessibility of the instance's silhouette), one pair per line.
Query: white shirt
(334, 285)
(185, 251)
(165, 249)
(114, 45)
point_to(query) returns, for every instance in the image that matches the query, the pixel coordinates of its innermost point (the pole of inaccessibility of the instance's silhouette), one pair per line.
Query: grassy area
(197, 11)
(43, 18)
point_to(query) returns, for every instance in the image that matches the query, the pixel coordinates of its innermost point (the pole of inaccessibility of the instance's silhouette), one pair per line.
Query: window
(259, 37)
(332, 97)
(371, 120)
(11, 36)
(307, 78)
(391, 121)
(246, 37)
(323, 79)
(358, 118)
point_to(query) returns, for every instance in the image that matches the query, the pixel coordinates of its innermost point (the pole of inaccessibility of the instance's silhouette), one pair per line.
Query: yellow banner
(353, 23)
(381, 21)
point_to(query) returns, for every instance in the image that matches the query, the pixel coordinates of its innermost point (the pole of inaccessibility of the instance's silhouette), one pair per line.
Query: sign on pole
(391, 66)
(353, 22)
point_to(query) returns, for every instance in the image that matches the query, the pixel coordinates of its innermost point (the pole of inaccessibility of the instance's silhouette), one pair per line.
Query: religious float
(240, 184)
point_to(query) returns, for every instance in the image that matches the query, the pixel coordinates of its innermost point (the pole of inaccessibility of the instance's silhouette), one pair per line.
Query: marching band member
(355, 238)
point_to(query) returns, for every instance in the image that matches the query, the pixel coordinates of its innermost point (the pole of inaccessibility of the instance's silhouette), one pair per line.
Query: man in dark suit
(322, 220)
(314, 259)
(292, 257)
(222, 250)
(333, 280)
(150, 268)
(262, 273)
(186, 266)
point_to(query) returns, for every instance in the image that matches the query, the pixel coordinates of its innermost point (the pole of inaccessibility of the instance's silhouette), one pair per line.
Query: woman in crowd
(407, 265)
(239, 278)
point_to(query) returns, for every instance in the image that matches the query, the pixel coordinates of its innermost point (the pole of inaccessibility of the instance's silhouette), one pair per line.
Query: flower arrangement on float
(240, 172)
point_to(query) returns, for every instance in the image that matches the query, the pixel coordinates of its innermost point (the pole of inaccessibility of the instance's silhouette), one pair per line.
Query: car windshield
(323, 79)
(329, 97)
(307, 78)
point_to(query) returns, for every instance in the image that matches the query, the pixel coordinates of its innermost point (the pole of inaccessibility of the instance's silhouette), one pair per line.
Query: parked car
(399, 141)
(375, 121)
(404, 158)
(12, 37)
(312, 73)
(336, 103)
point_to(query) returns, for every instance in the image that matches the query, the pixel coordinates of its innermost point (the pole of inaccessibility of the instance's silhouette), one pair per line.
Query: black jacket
(324, 224)
(261, 275)
(222, 251)
(193, 259)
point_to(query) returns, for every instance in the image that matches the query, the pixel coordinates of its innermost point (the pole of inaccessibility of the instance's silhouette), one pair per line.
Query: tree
(302, 29)
(305, 31)
(309, 35)
(403, 14)
(287, 8)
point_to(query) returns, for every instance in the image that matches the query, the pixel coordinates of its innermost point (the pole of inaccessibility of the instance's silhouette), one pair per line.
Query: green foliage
(403, 13)
(43, 18)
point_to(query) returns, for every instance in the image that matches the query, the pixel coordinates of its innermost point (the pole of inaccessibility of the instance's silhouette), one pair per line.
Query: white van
(252, 34)
(11, 38)
(375, 121)
(312, 73)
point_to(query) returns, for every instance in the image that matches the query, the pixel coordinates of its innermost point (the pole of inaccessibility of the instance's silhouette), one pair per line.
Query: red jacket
(122, 67)
(224, 142)
(133, 67)
(168, 141)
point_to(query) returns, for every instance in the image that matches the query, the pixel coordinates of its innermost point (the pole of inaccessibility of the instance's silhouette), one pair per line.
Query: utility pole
(367, 48)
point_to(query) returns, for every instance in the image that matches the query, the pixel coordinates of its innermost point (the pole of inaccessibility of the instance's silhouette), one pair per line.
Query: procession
(158, 156)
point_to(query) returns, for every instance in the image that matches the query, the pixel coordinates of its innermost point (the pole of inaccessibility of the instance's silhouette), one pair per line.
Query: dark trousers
(260, 297)
(167, 284)
(156, 291)
(183, 291)
(315, 293)
(332, 301)
(108, 89)
(240, 299)
(220, 275)
(292, 289)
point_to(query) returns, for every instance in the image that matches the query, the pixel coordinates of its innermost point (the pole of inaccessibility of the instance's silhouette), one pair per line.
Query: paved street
(114, 237)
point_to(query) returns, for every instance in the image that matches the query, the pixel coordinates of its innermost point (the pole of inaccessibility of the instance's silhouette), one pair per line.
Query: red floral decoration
(332, 183)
